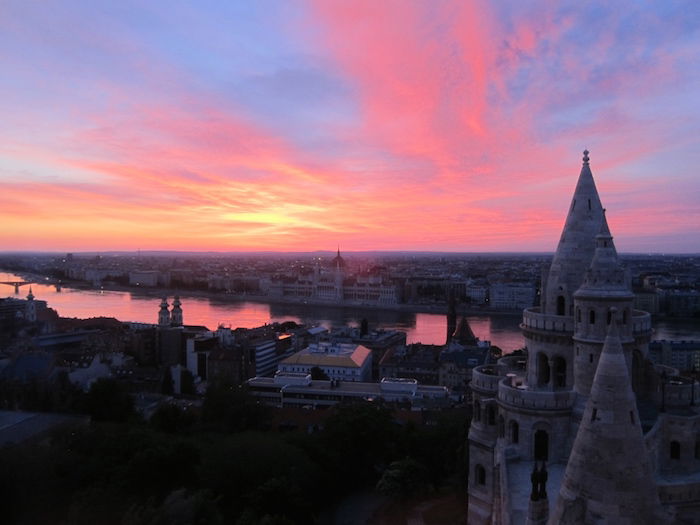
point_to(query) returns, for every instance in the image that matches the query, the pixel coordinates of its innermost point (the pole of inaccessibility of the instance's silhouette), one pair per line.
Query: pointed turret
(451, 315)
(576, 245)
(338, 263)
(604, 287)
(464, 334)
(176, 313)
(163, 314)
(608, 478)
(30, 309)
(605, 274)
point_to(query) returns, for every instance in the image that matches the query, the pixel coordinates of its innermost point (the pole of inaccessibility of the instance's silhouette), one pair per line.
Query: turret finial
(585, 156)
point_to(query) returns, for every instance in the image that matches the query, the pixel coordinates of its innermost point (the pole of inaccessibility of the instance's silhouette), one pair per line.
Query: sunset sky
(372, 125)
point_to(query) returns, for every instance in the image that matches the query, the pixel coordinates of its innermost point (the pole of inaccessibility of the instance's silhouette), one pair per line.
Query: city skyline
(392, 126)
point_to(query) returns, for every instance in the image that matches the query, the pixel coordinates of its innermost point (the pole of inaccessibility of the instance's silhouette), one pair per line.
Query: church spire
(163, 314)
(576, 245)
(176, 312)
(30, 295)
(608, 477)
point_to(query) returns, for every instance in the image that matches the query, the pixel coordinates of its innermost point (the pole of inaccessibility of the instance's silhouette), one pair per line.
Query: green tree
(229, 408)
(172, 419)
(317, 373)
(360, 439)
(187, 383)
(404, 479)
(108, 400)
(167, 386)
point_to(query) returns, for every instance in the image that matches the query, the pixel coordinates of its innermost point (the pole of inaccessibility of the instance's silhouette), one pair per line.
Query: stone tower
(451, 315)
(176, 313)
(30, 309)
(605, 286)
(548, 331)
(576, 245)
(608, 477)
(163, 314)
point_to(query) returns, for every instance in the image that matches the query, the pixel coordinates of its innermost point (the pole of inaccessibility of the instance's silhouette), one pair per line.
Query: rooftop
(331, 354)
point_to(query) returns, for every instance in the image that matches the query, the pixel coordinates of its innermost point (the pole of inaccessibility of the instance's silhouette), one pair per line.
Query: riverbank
(160, 292)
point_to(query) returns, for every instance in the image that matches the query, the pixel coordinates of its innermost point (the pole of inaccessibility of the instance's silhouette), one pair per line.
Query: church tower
(176, 313)
(608, 478)
(163, 314)
(30, 309)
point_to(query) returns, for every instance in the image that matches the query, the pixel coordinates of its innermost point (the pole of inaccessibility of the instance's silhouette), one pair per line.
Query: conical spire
(30, 295)
(608, 478)
(451, 315)
(576, 245)
(464, 334)
(605, 276)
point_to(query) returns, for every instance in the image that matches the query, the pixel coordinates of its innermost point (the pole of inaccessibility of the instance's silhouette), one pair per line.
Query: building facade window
(675, 450)
(480, 475)
(541, 445)
(514, 432)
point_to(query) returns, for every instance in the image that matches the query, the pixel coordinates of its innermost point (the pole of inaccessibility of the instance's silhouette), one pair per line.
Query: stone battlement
(534, 319)
(485, 379)
(534, 399)
(641, 322)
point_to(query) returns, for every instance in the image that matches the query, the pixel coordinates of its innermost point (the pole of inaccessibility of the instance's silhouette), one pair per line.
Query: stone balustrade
(485, 378)
(641, 322)
(534, 319)
(681, 391)
(512, 364)
(679, 493)
(534, 399)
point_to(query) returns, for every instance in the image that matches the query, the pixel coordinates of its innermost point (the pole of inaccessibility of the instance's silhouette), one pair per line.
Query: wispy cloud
(376, 125)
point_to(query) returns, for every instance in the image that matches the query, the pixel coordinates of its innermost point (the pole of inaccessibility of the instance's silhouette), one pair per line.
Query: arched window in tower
(578, 315)
(624, 316)
(589, 204)
(559, 372)
(609, 316)
(477, 410)
(514, 431)
(542, 369)
(675, 450)
(561, 305)
(491, 411)
(501, 427)
(637, 371)
(591, 317)
(541, 445)
(480, 475)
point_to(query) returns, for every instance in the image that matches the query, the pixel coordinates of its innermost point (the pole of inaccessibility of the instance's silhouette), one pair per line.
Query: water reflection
(422, 327)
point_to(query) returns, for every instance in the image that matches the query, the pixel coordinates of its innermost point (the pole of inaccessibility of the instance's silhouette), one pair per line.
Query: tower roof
(578, 240)
(338, 261)
(464, 334)
(608, 477)
(605, 276)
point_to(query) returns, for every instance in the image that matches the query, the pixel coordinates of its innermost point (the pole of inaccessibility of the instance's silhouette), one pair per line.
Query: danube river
(429, 328)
